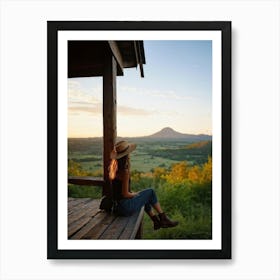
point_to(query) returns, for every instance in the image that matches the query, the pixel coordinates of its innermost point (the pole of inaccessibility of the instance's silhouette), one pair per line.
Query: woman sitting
(129, 202)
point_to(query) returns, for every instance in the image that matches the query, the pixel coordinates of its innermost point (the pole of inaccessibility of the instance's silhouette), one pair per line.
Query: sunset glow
(175, 92)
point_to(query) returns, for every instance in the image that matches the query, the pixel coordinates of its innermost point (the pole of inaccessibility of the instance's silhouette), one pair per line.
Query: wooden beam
(117, 54)
(86, 181)
(136, 52)
(140, 58)
(109, 117)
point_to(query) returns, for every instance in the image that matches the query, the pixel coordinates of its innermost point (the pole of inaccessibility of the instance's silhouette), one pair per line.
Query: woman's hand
(131, 194)
(134, 193)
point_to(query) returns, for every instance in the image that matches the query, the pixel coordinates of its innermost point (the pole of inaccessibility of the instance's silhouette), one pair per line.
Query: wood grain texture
(89, 209)
(87, 221)
(94, 221)
(75, 202)
(133, 226)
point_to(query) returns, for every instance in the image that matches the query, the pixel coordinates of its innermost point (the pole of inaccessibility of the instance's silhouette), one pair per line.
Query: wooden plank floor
(87, 221)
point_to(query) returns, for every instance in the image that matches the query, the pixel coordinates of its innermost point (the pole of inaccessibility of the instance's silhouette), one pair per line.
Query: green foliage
(185, 193)
(140, 181)
(200, 147)
(183, 172)
(197, 152)
(189, 204)
(92, 146)
(181, 175)
(75, 169)
(84, 191)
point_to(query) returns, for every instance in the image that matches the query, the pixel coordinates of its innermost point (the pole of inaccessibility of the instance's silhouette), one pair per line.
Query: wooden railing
(86, 181)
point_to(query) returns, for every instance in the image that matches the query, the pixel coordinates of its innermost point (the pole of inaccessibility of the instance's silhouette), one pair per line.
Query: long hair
(118, 165)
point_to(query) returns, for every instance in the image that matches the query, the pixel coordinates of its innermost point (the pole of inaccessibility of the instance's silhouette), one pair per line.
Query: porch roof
(88, 58)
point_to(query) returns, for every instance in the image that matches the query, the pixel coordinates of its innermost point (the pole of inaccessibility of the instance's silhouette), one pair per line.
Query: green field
(148, 155)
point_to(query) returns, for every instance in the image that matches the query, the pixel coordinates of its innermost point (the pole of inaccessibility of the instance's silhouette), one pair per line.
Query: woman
(127, 201)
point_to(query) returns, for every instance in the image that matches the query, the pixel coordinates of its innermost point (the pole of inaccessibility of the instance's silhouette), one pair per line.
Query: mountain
(169, 133)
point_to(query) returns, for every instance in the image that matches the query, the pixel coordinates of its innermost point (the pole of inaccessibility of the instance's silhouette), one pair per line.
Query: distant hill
(199, 145)
(169, 133)
(202, 147)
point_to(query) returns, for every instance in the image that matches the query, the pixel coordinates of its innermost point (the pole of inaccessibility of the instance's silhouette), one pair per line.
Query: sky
(176, 92)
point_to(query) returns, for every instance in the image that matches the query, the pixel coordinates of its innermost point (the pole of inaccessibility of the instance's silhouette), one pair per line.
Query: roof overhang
(88, 58)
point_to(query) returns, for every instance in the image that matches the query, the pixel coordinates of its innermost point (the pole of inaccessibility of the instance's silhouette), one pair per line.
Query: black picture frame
(53, 27)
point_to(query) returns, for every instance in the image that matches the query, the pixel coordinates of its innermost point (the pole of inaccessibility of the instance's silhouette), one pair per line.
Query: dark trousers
(128, 206)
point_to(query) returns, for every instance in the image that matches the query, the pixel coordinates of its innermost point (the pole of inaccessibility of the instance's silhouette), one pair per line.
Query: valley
(162, 149)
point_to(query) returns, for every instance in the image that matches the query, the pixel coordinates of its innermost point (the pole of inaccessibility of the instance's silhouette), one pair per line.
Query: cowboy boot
(156, 221)
(165, 222)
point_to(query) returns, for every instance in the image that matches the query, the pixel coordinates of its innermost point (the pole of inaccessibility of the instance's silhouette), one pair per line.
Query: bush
(141, 184)
(191, 205)
(84, 191)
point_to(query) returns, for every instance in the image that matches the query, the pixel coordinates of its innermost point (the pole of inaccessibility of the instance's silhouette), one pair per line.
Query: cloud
(78, 94)
(83, 108)
(130, 111)
(162, 94)
(79, 108)
(88, 102)
(84, 101)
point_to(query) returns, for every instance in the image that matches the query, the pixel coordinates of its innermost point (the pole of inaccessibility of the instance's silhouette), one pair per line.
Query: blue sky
(176, 92)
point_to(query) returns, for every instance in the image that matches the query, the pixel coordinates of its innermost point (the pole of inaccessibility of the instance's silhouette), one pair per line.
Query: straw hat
(122, 149)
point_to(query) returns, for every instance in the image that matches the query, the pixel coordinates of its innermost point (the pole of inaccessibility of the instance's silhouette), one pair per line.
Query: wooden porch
(87, 221)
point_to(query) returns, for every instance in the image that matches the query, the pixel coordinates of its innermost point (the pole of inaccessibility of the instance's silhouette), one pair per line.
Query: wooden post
(109, 117)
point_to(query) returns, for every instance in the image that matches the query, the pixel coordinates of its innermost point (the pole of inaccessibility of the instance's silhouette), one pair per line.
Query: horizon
(175, 92)
(143, 136)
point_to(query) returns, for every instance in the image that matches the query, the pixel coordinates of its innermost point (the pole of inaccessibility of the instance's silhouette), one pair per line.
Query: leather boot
(165, 222)
(156, 221)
